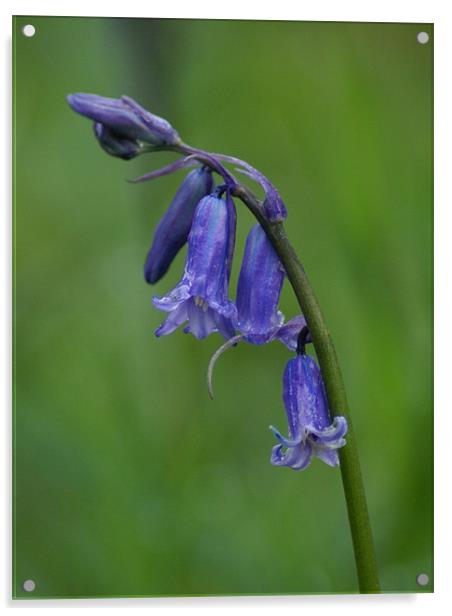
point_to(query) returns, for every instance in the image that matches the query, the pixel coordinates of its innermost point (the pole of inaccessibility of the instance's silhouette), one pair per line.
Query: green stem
(352, 480)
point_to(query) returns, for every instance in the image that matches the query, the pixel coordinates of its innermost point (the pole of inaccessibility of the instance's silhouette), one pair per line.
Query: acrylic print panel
(128, 479)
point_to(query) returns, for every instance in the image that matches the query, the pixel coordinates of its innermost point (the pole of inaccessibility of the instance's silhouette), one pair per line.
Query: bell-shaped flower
(311, 430)
(173, 229)
(124, 119)
(260, 282)
(201, 297)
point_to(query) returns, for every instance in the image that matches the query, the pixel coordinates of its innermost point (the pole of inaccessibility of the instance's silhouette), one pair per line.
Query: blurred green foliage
(128, 479)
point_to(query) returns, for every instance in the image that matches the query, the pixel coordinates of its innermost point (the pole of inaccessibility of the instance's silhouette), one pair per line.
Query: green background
(128, 479)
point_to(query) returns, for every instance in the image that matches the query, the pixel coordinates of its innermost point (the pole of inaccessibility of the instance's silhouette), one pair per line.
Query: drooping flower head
(201, 297)
(258, 318)
(122, 127)
(259, 287)
(311, 431)
(173, 229)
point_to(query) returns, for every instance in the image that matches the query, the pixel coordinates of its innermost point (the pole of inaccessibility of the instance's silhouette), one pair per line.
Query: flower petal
(201, 322)
(329, 456)
(289, 332)
(170, 302)
(287, 442)
(172, 322)
(225, 325)
(298, 458)
(332, 436)
(259, 287)
(306, 392)
(206, 273)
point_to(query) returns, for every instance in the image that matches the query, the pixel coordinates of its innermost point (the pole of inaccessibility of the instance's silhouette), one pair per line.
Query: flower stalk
(352, 480)
(125, 129)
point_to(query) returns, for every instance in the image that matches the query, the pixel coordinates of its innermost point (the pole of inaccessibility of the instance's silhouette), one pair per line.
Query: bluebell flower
(259, 320)
(311, 431)
(260, 282)
(201, 297)
(173, 229)
(123, 119)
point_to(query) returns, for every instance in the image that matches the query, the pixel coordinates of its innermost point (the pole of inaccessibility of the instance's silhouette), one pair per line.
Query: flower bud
(173, 229)
(114, 145)
(125, 119)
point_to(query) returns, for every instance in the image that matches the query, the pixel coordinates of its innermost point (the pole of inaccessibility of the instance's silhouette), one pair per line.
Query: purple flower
(122, 126)
(259, 287)
(311, 431)
(173, 229)
(201, 297)
(260, 283)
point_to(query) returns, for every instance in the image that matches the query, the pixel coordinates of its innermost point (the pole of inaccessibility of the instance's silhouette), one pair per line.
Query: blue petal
(287, 442)
(206, 268)
(225, 325)
(173, 321)
(204, 284)
(329, 456)
(298, 458)
(289, 332)
(259, 287)
(174, 298)
(292, 395)
(173, 229)
(332, 436)
(201, 322)
(310, 394)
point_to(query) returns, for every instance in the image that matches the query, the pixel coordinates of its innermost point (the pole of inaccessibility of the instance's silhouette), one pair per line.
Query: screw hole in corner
(29, 585)
(29, 30)
(423, 38)
(422, 579)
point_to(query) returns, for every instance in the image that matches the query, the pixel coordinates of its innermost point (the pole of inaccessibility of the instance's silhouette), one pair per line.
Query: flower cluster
(204, 217)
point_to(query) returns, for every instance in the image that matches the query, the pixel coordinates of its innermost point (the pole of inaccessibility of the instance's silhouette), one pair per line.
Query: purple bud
(259, 287)
(125, 119)
(274, 208)
(311, 431)
(173, 229)
(114, 145)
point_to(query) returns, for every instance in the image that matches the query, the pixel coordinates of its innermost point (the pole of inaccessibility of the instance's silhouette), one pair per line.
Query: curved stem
(352, 480)
(350, 467)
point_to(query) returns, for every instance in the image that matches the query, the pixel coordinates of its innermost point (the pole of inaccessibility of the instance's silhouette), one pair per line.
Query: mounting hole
(29, 585)
(422, 38)
(422, 579)
(28, 30)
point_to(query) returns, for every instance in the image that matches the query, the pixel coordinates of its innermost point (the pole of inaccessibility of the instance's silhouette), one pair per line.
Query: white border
(383, 11)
